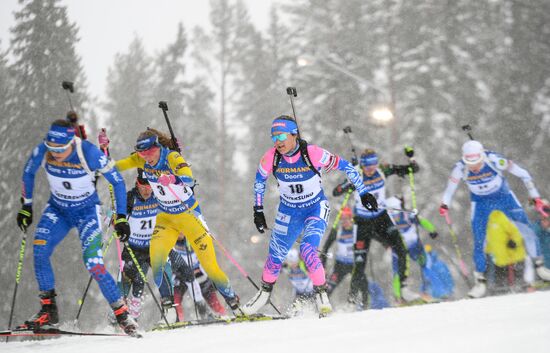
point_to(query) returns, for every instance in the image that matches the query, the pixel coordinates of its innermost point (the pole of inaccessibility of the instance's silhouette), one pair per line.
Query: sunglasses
(58, 149)
(146, 144)
(281, 137)
(148, 152)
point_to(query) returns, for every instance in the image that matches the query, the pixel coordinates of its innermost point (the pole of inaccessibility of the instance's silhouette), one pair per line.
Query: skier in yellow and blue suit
(172, 182)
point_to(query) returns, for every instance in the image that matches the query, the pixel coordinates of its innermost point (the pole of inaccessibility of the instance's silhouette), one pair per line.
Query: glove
(541, 207)
(339, 189)
(259, 219)
(409, 151)
(122, 228)
(443, 210)
(102, 139)
(433, 235)
(24, 217)
(167, 179)
(72, 116)
(369, 202)
(354, 161)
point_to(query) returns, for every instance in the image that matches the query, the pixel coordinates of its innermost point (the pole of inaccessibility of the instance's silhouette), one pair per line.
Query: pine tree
(221, 52)
(170, 86)
(43, 55)
(130, 103)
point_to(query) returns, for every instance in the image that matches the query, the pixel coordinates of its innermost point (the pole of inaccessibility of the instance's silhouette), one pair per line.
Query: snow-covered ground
(514, 323)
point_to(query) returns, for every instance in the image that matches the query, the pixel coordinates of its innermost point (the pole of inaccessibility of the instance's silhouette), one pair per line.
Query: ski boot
(204, 311)
(214, 302)
(542, 271)
(321, 300)
(259, 300)
(47, 317)
(408, 295)
(234, 304)
(480, 288)
(124, 320)
(167, 303)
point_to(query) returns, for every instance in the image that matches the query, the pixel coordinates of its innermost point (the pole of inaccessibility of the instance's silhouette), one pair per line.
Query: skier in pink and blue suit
(303, 207)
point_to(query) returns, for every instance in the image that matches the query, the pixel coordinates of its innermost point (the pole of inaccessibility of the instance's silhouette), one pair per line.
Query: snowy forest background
(440, 64)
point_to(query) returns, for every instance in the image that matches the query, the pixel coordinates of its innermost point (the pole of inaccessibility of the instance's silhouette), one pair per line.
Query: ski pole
(463, 269)
(144, 278)
(241, 270)
(409, 152)
(17, 276)
(190, 264)
(332, 235)
(68, 87)
(226, 253)
(292, 93)
(468, 130)
(83, 298)
(342, 206)
(354, 160)
(113, 202)
(164, 107)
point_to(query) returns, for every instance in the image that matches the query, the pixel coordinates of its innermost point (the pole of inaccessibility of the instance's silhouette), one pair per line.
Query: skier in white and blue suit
(483, 173)
(70, 164)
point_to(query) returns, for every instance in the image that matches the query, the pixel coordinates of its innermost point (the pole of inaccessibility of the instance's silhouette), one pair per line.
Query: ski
(424, 299)
(221, 320)
(58, 332)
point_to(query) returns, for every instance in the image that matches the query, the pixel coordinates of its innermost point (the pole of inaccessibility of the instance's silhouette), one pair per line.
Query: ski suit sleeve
(452, 184)
(29, 172)
(180, 168)
(97, 161)
(131, 162)
(264, 169)
(329, 162)
(524, 175)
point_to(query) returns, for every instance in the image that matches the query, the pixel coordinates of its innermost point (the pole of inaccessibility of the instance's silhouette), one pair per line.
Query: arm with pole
(164, 107)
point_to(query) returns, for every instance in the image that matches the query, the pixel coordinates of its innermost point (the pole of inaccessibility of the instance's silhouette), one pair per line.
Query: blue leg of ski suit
(509, 205)
(54, 225)
(289, 224)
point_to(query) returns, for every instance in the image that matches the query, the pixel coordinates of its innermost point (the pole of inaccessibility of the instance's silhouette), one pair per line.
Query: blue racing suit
(73, 203)
(489, 191)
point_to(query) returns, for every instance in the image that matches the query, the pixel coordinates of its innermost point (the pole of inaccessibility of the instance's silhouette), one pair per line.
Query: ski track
(513, 323)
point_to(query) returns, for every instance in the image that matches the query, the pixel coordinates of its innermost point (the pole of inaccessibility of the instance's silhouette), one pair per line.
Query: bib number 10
(296, 188)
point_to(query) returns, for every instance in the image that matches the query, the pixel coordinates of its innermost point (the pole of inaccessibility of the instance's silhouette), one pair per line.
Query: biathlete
(179, 213)
(483, 172)
(70, 164)
(297, 167)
